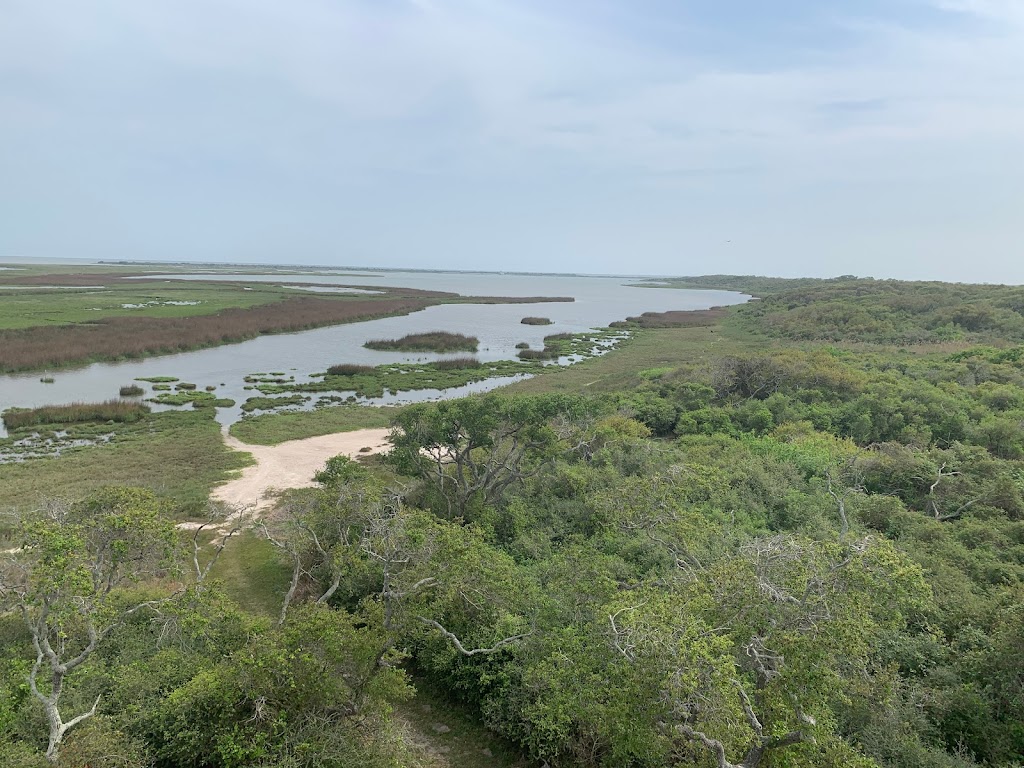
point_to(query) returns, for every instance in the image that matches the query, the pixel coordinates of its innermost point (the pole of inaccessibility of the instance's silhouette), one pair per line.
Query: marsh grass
(181, 398)
(431, 341)
(349, 369)
(274, 428)
(457, 363)
(548, 353)
(131, 390)
(121, 411)
(216, 402)
(114, 338)
(178, 454)
(694, 318)
(270, 403)
(536, 321)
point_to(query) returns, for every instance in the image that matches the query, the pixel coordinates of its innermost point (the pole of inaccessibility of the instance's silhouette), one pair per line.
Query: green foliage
(270, 701)
(890, 311)
(802, 555)
(339, 470)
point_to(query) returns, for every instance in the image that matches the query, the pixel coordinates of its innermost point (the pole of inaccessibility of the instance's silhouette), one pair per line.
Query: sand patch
(292, 464)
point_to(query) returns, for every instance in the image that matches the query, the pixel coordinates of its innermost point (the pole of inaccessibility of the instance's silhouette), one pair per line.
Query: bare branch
(474, 651)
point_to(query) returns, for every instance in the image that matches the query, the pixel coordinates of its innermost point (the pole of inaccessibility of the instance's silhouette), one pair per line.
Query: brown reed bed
(122, 411)
(431, 341)
(124, 337)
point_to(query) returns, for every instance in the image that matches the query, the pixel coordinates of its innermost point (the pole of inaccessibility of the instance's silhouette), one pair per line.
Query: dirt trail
(292, 464)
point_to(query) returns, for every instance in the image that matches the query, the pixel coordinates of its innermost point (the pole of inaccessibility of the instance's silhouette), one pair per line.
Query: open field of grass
(274, 428)
(31, 306)
(253, 574)
(178, 454)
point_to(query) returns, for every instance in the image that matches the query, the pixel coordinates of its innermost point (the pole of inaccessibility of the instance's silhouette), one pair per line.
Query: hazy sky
(785, 137)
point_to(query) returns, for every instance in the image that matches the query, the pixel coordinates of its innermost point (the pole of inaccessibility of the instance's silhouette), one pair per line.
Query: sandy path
(292, 464)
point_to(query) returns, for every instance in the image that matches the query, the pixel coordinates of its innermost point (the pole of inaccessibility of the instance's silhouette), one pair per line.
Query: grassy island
(432, 341)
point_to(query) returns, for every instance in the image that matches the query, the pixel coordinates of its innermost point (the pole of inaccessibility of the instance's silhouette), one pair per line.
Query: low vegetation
(536, 321)
(62, 319)
(675, 319)
(457, 363)
(182, 398)
(432, 341)
(270, 403)
(213, 402)
(131, 390)
(548, 353)
(119, 411)
(178, 454)
(554, 347)
(349, 369)
(720, 546)
(275, 428)
(122, 337)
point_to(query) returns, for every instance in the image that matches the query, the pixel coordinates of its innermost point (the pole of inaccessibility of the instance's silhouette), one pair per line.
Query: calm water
(599, 301)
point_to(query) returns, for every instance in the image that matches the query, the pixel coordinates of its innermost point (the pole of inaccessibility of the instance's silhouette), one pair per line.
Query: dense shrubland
(797, 556)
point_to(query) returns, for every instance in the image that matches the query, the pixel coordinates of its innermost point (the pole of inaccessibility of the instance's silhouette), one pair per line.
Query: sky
(790, 138)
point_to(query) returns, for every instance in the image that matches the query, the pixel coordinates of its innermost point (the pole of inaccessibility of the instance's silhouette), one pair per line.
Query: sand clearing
(292, 464)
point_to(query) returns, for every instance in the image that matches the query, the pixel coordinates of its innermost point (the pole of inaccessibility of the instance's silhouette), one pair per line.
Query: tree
(67, 580)
(472, 450)
(753, 656)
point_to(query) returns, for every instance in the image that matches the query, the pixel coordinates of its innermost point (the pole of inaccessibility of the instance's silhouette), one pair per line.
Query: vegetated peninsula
(784, 533)
(58, 318)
